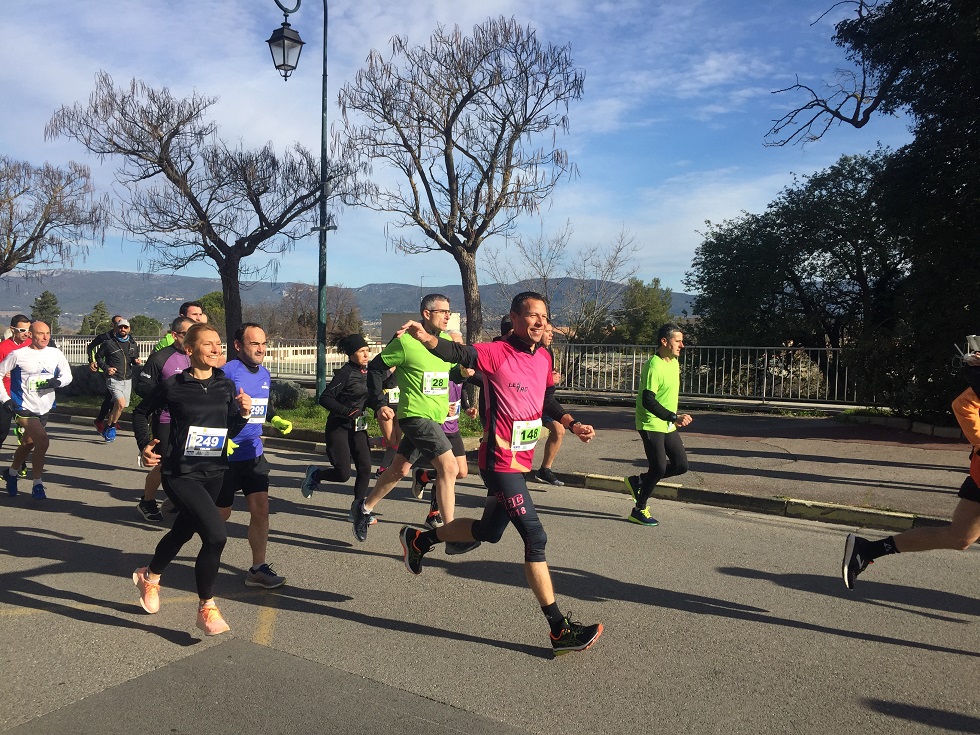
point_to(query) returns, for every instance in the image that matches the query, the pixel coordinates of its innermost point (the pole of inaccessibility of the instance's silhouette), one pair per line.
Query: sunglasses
(20, 330)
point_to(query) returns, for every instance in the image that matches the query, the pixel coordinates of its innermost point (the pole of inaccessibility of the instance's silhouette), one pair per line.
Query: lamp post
(286, 46)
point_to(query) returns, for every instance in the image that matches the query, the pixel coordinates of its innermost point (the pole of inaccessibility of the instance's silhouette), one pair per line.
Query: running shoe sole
(848, 555)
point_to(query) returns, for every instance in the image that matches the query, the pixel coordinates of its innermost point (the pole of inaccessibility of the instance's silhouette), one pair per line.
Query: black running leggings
(194, 497)
(666, 457)
(343, 444)
(508, 501)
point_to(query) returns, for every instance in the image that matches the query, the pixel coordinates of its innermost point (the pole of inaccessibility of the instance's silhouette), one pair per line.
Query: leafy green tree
(822, 267)
(919, 57)
(46, 309)
(213, 304)
(642, 310)
(145, 326)
(99, 320)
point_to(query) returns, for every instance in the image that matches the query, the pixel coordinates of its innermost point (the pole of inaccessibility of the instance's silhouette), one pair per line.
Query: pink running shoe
(149, 590)
(210, 621)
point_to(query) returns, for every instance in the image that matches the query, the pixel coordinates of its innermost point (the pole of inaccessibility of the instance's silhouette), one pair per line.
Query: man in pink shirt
(517, 382)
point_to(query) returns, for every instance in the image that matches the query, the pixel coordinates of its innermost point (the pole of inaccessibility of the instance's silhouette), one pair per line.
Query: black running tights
(666, 457)
(196, 513)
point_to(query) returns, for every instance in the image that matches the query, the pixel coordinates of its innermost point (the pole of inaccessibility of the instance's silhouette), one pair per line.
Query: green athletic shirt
(663, 379)
(423, 378)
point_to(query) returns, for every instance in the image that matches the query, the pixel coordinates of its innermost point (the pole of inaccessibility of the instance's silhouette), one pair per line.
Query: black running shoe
(149, 510)
(575, 637)
(361, 520)
(413, 557)
(418, 487)
(460, 547)
(633, 485)
(546, 475)
(855, 558)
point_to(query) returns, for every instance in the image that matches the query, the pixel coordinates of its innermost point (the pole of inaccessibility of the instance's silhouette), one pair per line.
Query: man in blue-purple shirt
(248, 469)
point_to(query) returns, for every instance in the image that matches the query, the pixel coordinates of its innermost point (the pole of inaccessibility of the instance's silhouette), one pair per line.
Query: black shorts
(249, 476)
(970, 489)
(161, 432)
(422, 439)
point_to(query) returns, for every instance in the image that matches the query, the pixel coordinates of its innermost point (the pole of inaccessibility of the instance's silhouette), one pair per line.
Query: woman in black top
(346, 430)
(205, 411)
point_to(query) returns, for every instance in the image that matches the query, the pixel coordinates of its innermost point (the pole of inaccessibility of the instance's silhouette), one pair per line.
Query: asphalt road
(717, 621)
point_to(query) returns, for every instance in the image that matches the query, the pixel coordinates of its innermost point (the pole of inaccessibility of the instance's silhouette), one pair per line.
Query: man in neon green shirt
(423, 405)
(657, 421)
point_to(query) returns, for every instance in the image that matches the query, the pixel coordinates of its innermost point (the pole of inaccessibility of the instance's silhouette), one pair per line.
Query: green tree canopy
(145, 326)
(45, 308)
(821, 267)
(918, 57)
(642, 310)
(99, 320)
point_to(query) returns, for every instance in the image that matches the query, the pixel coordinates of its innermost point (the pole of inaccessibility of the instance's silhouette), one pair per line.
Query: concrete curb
(779, 506)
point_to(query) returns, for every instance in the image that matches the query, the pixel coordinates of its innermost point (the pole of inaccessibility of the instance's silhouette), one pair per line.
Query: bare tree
(537, 263)
(47, 213)
(597, 278)
(461, 120)
(852, 98)
(295, 316)
(189, 195)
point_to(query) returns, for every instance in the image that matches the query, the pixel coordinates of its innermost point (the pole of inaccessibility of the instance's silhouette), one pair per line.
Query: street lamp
(286, 47)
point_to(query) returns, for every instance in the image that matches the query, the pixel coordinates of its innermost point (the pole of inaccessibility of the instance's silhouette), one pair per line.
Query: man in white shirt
(35, 372)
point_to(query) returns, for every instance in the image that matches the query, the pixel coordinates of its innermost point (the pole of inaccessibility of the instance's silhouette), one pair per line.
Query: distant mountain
(159, 296)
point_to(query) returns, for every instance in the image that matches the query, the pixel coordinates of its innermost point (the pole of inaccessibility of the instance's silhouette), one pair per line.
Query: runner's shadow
(590, 587)
(871, 592)
(941, 719)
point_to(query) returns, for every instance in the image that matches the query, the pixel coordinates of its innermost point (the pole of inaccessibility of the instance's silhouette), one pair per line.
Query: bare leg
(539, 580)
(386, 483)
(556, 432)
(960, 534)
(258, 526)
(445, 486)
(152, 483)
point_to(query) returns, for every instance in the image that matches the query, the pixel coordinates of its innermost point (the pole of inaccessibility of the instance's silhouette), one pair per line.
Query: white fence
(287, 359)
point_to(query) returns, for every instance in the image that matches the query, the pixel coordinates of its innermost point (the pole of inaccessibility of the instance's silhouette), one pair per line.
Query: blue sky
(668, 134)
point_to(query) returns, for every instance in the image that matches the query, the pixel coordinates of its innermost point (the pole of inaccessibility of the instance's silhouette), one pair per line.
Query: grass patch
(308, 415)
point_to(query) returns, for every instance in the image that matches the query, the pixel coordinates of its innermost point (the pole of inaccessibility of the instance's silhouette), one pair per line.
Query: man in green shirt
(657, 421)
(423, 405)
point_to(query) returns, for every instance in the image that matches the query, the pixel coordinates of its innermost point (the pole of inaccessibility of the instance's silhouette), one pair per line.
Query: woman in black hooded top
(346, 435)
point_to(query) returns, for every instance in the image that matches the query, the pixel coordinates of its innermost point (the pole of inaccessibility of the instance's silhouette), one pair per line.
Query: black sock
(555, 619)
(426, 540)
(881, 547)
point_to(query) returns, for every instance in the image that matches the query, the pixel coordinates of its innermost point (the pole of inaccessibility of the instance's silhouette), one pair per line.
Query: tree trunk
(471, 295)
(232, 296)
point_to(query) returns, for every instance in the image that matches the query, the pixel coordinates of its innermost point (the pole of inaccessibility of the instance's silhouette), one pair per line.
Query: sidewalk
(802, 467)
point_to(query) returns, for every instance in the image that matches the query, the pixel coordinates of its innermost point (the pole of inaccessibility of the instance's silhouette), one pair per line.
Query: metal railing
(819, 375)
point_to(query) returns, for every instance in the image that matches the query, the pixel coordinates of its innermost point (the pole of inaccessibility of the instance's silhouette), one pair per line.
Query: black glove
(49, 383)
(10, 405)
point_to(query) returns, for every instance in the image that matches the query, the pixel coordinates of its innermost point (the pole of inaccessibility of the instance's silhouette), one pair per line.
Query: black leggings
(343, 444)
(6, 418)
(194, 497)
(508, 501)
(666, 457)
